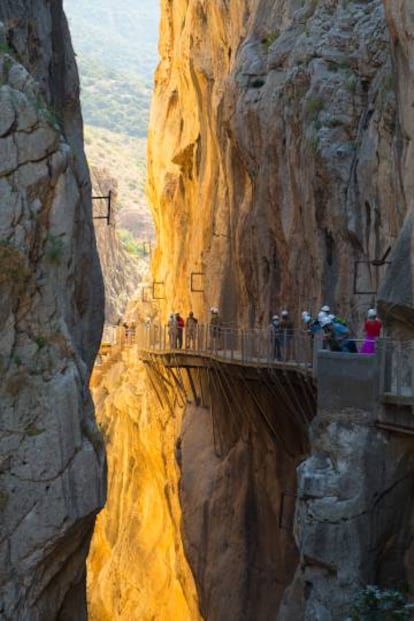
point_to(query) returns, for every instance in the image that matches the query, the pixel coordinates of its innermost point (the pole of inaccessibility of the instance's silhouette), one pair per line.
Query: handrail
(243, 345)
(256, 345)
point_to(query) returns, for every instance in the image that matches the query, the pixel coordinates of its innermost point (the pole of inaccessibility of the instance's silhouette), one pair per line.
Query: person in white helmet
(372, 330)
(214, 328)
(172, 330)
(190, 330)
(274, 334)
(286, 335)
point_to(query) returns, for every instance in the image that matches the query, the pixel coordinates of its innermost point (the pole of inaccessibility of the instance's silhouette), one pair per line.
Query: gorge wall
(52, 464)
(279, 168)
(121, 271)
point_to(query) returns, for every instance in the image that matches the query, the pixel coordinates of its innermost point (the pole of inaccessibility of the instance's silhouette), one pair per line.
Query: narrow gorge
(279, 175)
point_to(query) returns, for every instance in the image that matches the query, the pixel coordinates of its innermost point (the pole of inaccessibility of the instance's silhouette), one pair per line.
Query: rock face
(52, 461)
(137, 568)
(279, 169)
(121, 272)
(279, 124)
(279, 159)
(396, 294)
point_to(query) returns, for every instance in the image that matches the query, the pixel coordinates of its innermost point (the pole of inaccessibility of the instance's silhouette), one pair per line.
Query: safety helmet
(325, 308)
(306, 317)
(285, 313)
(322, 315)
(372, 313)
(325, 321)
(275, 318)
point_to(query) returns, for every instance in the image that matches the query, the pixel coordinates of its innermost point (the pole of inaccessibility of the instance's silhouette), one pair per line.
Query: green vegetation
(314, 143)
(94, 434)
(130, 243)
(54, 248)
(376, 604)
(314, 105)
(116, 47)
(351, 82)
(32, 430)
(5, 48)
(4, 499)
(113, 100)
(269, 39)
(14, 267)
(41, 341)
(333, 121)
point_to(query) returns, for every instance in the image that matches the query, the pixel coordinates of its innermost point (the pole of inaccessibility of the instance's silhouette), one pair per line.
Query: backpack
(340, 329)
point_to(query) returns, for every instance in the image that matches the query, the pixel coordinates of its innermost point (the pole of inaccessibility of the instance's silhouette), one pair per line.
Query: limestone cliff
(279, 159)
(396, 294)
(137, 568)
(272, 163)
(278, 151)
(51, 453)
(121, 271)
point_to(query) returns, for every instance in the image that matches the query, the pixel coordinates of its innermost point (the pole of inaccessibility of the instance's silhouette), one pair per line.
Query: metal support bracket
(156, 284)
(193, 281)
(108, 198)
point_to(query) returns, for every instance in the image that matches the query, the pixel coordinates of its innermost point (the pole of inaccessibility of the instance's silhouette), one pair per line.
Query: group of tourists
(176, 326)
(331, 330)
(336, 335)
(281, 333)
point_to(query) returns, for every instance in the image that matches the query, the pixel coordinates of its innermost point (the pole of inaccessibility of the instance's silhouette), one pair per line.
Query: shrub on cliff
(375, 604)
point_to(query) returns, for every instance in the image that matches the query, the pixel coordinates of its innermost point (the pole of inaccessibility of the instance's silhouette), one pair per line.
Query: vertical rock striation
(51, 454)
(272, 164)
(397, 291)
(279, 158)
(137, 568)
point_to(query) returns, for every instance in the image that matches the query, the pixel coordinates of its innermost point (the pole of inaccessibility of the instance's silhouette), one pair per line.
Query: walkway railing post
(412, 368)
(398, 368)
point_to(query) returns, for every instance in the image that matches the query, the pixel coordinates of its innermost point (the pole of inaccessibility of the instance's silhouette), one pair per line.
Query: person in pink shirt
(372, 330)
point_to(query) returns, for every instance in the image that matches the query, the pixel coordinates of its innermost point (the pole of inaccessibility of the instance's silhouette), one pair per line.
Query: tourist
(372, 330)
(286, 334)
(214, 328)
(172, 331)
(180, 329)
(274, 335)
(190, 331)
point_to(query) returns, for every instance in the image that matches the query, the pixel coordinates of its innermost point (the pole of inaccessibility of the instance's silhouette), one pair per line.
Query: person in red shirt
(180, 329)
(372, 330)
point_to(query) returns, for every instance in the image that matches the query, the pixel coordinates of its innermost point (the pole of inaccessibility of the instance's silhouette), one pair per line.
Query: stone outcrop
(52, 465)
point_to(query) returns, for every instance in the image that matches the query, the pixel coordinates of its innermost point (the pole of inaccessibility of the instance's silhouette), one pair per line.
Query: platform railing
(242, 345)
(396, 367)
(256, 345)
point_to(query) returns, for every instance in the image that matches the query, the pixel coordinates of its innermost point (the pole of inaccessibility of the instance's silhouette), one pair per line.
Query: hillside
(116, 49)
(123, 157)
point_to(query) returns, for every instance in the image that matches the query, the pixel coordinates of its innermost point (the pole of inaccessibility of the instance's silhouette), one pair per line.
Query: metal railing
(256, 345)
(227, 343)
(396, 367)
